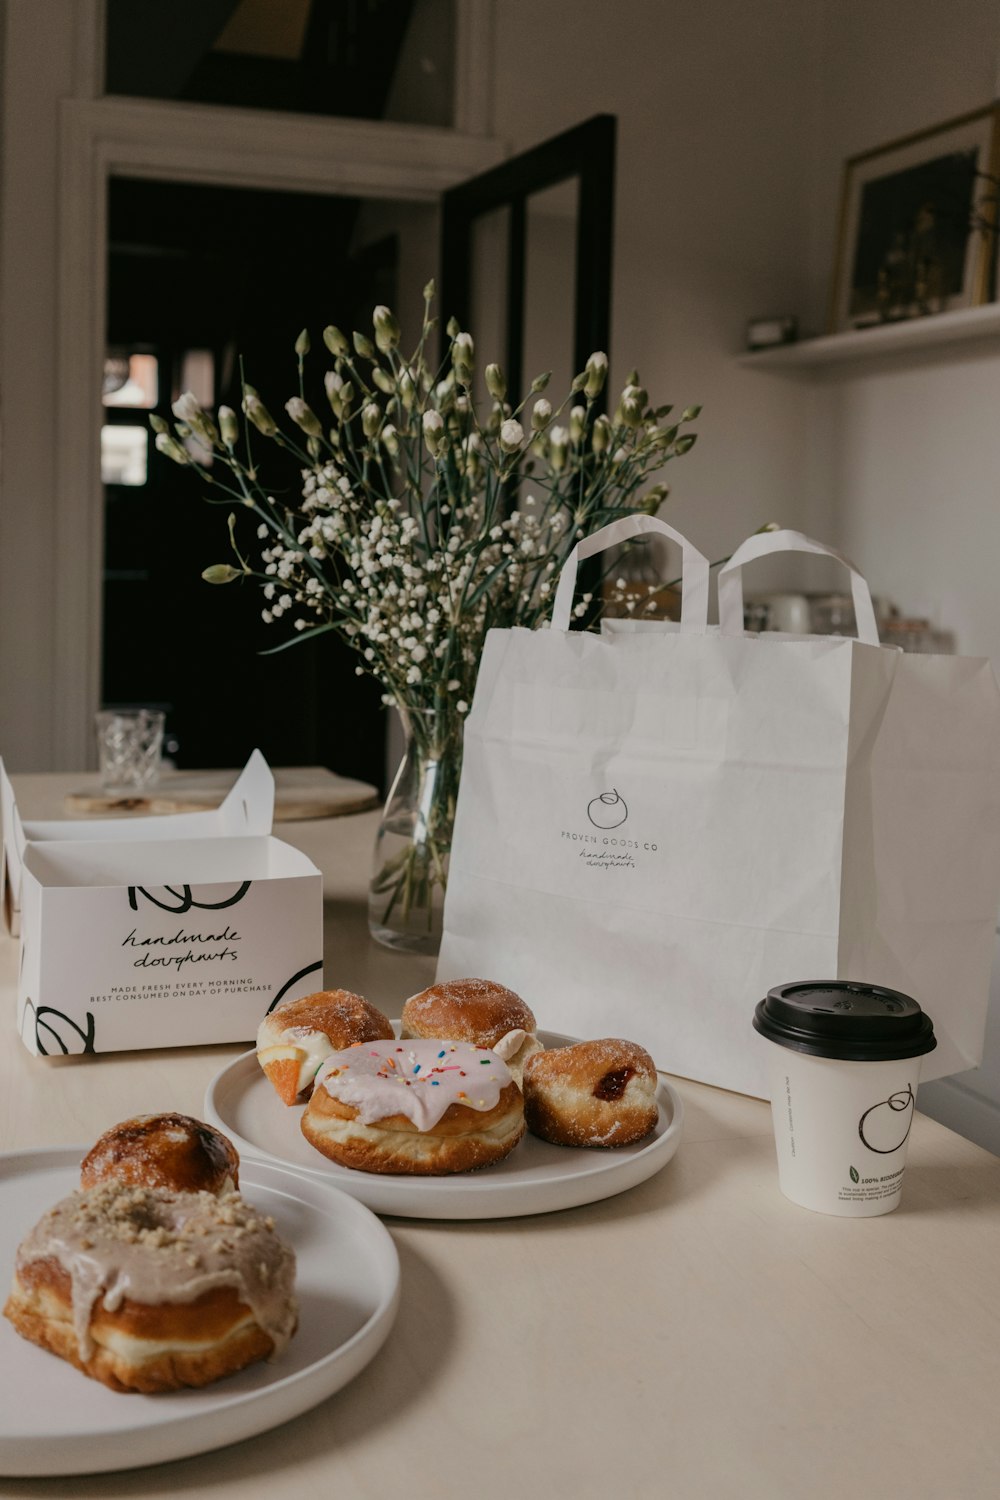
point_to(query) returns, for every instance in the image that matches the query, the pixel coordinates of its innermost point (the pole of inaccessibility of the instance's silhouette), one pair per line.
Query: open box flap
(188, 862)
(248, 809)
(10, 855)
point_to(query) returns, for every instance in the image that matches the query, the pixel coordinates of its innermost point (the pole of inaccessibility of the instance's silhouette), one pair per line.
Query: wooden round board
(300, 792)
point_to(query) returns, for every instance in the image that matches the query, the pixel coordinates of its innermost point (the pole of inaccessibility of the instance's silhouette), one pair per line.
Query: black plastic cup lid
(845, 1019)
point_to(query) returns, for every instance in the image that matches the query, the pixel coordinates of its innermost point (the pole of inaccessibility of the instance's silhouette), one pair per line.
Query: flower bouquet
(427, 516)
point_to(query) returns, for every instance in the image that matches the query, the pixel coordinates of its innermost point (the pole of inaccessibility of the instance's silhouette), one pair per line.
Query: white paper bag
(656, 826)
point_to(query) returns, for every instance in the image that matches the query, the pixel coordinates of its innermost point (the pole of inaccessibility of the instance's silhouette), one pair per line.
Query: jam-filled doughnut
(421, 1106)
(599, 1093)
(477, 1011)
(148, 1290)
(298, 1035)
(164, 1151)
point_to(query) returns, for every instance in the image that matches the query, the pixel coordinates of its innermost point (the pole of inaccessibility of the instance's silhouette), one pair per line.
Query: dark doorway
(199, 278)
(231, 274)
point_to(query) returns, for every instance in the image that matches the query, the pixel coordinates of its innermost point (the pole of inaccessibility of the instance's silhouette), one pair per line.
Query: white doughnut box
(184, 936)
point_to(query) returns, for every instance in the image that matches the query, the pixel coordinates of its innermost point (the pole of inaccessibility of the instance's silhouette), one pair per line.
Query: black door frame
(587, 152)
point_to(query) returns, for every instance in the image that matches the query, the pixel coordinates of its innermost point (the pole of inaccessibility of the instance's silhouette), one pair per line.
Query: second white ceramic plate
(53, 1420)
(535, 1179)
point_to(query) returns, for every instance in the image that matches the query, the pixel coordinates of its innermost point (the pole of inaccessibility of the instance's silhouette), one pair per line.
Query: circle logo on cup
(885, 1126)
(608, 810)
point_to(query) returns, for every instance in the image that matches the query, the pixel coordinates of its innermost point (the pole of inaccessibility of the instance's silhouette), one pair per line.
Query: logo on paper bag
(607, 811)
(885, 1126)
(603, 843)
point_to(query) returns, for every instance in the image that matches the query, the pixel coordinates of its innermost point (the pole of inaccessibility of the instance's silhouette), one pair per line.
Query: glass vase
(410, 869)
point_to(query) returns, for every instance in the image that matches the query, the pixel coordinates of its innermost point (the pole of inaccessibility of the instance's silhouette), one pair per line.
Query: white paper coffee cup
(844, 1062)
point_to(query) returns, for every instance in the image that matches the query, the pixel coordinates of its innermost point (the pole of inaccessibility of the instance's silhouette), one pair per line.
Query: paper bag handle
(694, 584)
(762, 544)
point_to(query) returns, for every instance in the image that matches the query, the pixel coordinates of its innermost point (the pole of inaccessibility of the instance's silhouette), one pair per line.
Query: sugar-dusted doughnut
(421, 1106)
(477, 1011)
(296, 1037)
(148, 1290)
(600, 1093)
(163, 1151)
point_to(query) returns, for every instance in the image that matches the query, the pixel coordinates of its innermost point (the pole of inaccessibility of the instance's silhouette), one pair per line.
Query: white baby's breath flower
(303, 416)
(597, 374)
(171, 448)
(254, 408)
(511, 435)
(187, 408)
(434, 433)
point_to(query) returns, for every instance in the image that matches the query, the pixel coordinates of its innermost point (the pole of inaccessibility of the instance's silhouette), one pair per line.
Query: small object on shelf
(917, 635)
(833, 614)
(767, 333)
(901, 339)
(756, 616)
(789, 613)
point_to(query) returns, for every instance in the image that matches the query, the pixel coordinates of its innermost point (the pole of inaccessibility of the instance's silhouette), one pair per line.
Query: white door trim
(183, 143)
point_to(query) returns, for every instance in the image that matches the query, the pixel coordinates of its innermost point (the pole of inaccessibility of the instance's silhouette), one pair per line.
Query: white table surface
(698, 1336)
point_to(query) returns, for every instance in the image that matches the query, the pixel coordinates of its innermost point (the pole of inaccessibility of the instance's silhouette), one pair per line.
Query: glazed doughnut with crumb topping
(163, 1151)
(298, 1035)
(599, 1094)
(478, 1011)
(148, 1290)
(422, 1106)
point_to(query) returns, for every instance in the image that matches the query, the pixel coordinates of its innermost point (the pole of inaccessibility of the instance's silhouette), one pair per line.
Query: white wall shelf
(903, 338)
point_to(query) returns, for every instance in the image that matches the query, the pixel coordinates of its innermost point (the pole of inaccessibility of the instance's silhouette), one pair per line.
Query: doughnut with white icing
(420, 1106)
(169, 1151)
(599, 1094)
(479, 1011)
(298, 1035)
(148, 1290)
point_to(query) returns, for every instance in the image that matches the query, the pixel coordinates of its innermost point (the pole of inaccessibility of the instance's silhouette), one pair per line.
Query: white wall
(910, 447)
(28, 375)
(907, 450)
(714, 104)
(734, 123)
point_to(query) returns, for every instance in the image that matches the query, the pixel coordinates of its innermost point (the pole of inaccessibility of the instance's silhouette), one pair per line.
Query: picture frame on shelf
(918, 224)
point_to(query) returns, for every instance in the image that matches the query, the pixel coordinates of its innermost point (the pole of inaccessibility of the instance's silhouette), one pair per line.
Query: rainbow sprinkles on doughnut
(422, 1106)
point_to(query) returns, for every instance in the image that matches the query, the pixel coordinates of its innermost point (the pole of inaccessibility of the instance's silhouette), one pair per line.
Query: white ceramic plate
(535, 1179)
(53, 1420)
